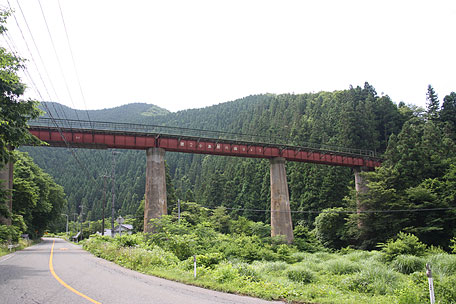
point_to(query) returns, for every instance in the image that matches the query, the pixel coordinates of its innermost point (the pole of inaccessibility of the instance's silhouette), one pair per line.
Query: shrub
(183, 246)
(226, 273)
(129, 240)
(300, 274)
(247, 270)
(373, 280)
(341, 266)
(453, 244)
(9, 233)
(285, 253)
(443, 264)
(275, 268)
(412, 293)
(406, 243)
(204, 260)
(248, 249)
(407, 264)
(305, 240)
(445, 290)
(330, 227)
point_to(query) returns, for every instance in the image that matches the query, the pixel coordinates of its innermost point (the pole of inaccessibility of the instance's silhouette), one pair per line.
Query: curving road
(56, 271)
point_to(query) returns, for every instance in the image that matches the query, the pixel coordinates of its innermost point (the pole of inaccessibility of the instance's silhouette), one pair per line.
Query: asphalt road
(72, 275)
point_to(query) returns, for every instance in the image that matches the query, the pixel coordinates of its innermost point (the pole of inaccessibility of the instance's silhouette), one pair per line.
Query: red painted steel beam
(141, 141)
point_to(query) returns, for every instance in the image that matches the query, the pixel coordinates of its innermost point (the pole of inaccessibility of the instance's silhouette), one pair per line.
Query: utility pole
(66, 222)
(80, 219)
(113, 211)
(178, 211)
(104, 205)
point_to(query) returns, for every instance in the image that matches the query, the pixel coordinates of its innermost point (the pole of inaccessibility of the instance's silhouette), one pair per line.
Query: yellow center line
(51, 267)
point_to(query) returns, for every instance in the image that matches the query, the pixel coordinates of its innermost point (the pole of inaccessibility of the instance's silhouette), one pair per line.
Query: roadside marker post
(194, 266)
(431, 283)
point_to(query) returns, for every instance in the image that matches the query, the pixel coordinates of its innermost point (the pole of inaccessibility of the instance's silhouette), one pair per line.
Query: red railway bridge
(156, 140)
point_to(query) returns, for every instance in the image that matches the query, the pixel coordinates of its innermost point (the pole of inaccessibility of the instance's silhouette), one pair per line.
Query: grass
(321, 277)
(4, 250)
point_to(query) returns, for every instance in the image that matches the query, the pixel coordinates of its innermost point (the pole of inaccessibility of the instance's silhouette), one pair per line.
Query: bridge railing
(196, 133)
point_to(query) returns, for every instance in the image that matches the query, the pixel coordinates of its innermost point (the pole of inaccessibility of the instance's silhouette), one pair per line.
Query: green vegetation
(418, 173)
(411, 199)
(245, 263)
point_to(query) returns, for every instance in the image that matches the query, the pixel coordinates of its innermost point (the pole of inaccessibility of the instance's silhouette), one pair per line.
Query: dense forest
(417, 144)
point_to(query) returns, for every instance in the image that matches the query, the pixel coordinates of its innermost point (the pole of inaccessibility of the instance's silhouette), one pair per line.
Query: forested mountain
(133, 112)
(353, 118)
(356, 118)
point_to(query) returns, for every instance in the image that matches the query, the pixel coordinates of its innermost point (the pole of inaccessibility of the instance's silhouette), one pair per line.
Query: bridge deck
(101, 135)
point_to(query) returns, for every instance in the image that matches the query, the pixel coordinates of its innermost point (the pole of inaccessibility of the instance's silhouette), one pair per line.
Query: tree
(14, 112)
(37, 198)
(448, 112)
(433, 104)
(330, 227)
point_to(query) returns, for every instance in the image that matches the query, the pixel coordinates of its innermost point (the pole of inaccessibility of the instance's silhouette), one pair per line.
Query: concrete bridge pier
(155, 199)
(280, 201)
(361, 188)
(6, 177)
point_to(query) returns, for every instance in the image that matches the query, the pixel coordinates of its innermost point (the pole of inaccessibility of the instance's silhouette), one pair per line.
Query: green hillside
(356, 118)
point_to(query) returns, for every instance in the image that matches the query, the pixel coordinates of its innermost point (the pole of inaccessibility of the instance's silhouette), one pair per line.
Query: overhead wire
(58, 59)
(45, 104)
(42, 63)
(39, 93)
(332, 211)
(73, 61)
(32, 57)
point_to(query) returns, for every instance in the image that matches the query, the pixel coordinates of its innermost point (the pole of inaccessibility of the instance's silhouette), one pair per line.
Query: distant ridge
(133, 112)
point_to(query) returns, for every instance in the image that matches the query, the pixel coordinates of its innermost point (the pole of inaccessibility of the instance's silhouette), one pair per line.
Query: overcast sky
(189, 54)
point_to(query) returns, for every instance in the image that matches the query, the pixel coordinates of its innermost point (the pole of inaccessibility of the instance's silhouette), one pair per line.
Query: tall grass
(322, 277)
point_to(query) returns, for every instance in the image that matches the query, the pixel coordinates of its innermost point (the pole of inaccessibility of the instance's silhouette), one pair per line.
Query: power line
(33, 58)
(26, 72)
(72, 59)
(44, 66)
(58, 58)
(332, 211)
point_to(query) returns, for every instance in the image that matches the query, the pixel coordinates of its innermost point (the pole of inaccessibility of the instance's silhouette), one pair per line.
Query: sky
(181, 54)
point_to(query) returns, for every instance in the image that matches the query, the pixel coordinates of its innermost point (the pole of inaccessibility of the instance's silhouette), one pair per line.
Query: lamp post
(66, 222)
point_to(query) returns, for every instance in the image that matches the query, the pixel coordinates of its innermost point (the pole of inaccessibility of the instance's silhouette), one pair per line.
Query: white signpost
(431, 283)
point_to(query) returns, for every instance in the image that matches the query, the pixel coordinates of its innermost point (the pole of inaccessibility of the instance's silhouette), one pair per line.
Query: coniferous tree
(433, 104)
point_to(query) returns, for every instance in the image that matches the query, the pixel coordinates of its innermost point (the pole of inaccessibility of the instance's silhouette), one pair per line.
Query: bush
(204, 260)
(406, 243)
(300, 275)
(330, 227)
(374, 280)
(306, 240)
(135, 258)
(407, 264)
(453, 244)
(445, 291)
(129, 240)
(443, 264)
(9, 234)
(274, 268)
(247, 270)
(341, 266)
(248, 249)
(183, 246)
(226, 273)
(412, 293)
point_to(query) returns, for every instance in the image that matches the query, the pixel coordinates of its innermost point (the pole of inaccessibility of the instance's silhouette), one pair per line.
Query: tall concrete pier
(280, 201)
(361, 188)
(155, 199)
(6, 177)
